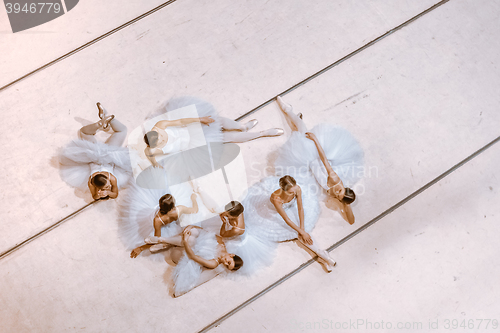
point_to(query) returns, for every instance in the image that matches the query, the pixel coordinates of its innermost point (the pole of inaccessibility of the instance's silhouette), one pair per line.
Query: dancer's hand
(304, 237)
(310, 136)
(135, 252)
(206, 120)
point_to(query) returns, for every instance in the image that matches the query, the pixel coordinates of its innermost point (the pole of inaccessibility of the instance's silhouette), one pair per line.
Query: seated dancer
(243, 239)
(171, 136)
(167, 213)
(147, 212)
(102, 167)
(289, 213)
(197, 255)
(318, 153)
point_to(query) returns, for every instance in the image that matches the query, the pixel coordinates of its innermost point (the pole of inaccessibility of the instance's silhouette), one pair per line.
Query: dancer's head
(287, 182)
(234, 208)
(167, 203)
(231, 261)
(99, 181)
(151, 139)
(344, 194)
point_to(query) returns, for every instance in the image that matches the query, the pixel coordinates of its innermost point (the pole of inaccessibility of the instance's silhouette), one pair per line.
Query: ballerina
(198, 256)
(103, 168)
(167, 214)
(327, 153)
(290, 212)
(170, 136)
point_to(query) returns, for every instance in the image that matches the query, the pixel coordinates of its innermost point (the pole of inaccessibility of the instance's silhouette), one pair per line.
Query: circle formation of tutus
(299, 157)
(267, 222)
(76, 157)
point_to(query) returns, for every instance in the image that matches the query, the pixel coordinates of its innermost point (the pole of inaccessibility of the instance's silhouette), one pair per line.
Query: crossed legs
(119, 130)
(236, 132)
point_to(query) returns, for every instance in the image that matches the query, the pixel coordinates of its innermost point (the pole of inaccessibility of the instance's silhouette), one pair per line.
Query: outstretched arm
(189, 210)
(135, 252)
(322, 156)
(162, 124)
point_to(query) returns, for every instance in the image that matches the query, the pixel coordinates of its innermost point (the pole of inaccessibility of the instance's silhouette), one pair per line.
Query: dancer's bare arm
(331, 174)
(114, 187)
(300, 232)
(189, 210)
(300, 207)
(186, 234)
(135, 252)
(162, 124)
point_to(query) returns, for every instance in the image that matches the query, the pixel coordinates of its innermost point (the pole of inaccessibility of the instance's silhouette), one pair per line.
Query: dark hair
(349, 196)
(167, 203)
(151, 138)
(234, 208)
(238, 262)
(99, 180)
(286, 182)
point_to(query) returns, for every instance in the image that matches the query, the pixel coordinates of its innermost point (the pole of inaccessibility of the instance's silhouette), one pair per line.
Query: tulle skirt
(76, 157)
(187, 272)
(263, 219)
(299, 158)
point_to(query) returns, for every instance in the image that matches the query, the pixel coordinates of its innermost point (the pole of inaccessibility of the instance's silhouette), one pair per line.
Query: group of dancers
(184, 226)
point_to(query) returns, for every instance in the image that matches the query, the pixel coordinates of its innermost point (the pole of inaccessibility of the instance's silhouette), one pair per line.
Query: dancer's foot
(299, 115)
(251, 124)
(102, 112)
(327, 266)
(272, 132)
(152, 240)
(284, 106)
(159, 247)
(107, 120)
(327, 258)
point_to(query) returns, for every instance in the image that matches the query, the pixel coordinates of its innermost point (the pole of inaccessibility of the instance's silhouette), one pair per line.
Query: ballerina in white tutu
(198, 256)
(171, 136)
(289, 212)
(244, 239)
(327, 153)
(166, 216)
(103, 168)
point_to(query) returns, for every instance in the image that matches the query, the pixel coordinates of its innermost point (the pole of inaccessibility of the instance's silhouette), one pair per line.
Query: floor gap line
(348, 237)
(341, 60)
(84, 46)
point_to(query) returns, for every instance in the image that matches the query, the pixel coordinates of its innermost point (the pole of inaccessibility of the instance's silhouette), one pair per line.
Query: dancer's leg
(322, 254)
(205, 197)
(293, 120)
(119, 133)
(239, 137)
(231, 125)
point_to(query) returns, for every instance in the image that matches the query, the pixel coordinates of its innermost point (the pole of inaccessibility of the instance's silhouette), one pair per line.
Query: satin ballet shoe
(273, 132)
(326, 265)
(152, 240)
(251, 124)
(284, 106)
(107, 120)
(101, 110)
(158, 247)
(329, 259)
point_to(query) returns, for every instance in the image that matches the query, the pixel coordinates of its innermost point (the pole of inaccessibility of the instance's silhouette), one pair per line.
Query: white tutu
(299, 158)
(263, 219)
(76, 157)
(139, 206)
(255, 251)
(187, 272)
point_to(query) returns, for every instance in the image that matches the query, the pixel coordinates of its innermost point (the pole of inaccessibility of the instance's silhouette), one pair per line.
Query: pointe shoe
(284, 106)
(273, 132)
(326, 265)
(107, 120)
(251, 124)
(101, 110)
(152, 240)
(158, 247)
(327, 257)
